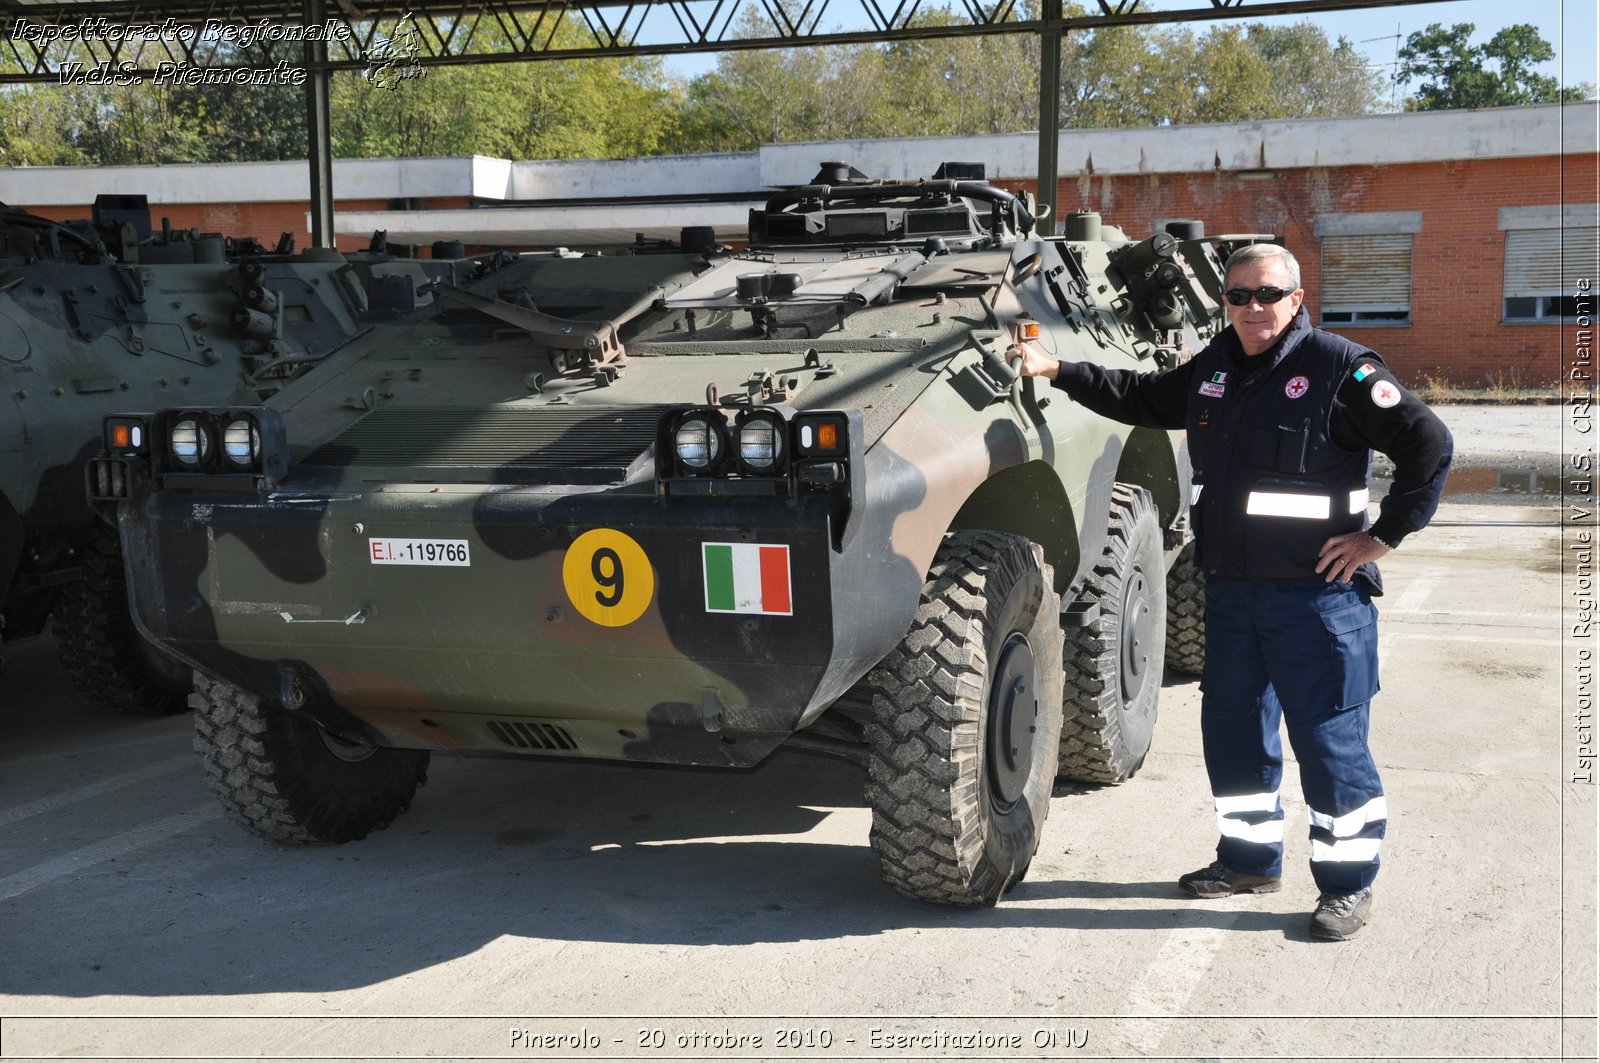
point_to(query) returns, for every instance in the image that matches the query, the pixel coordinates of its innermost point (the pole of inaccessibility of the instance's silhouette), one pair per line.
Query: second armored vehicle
(691, 507)
(107, 312)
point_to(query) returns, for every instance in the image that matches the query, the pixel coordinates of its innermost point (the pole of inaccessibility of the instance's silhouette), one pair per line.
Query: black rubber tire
(279, 778)
(110, 663)
(1186, 614)
(1113, 664)
(955, 820)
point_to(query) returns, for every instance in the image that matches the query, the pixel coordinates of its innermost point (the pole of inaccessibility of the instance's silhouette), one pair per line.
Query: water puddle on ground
(1509, 483)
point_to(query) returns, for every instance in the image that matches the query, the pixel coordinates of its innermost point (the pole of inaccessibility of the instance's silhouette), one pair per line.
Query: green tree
(1113, 77)
(1309, 76)
(1457, 74)
(545, 109)
(1124, 76)
(243, 123)
(767, 96)
(960, 85)
(555, 109)
(31, 130)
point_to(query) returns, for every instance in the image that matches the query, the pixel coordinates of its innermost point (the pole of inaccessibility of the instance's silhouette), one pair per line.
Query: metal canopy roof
(191, 35)
(446, 32)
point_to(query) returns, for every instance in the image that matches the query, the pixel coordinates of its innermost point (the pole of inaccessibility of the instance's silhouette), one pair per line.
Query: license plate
(451, 552)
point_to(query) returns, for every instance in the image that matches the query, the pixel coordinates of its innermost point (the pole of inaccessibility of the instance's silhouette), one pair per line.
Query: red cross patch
(1296, 387)
(1385, 394)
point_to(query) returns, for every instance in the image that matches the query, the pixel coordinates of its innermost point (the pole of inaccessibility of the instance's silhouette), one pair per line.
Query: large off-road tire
(1113, 663)
(1186, 614)
(284, 779)
(964, 727)
(110, 663)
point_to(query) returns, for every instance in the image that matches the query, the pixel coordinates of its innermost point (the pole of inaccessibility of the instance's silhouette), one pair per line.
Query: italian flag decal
(746, 578)
(1365, 371)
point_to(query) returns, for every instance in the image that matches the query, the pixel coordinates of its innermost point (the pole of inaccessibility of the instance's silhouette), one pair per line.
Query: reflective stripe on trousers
(1352, 837)
(1255, 818)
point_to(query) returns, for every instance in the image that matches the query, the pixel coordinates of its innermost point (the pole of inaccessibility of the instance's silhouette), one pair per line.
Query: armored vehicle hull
(686, 509)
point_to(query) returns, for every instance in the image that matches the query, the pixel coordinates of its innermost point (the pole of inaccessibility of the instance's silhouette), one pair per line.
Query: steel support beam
(1049, 114)
(516, 31)
(319, 127)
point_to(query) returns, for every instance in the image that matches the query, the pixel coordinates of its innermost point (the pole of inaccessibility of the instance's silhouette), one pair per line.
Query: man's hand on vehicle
(1031, 361)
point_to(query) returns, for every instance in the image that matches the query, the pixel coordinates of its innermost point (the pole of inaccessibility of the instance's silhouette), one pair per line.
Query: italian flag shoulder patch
(1365, 370)
(746, 578)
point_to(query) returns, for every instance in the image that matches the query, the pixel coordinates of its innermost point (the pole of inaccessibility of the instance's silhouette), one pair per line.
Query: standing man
(1282, 419)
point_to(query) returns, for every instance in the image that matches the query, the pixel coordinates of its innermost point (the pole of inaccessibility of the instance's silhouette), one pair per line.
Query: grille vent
(542, 444)
(521, 734)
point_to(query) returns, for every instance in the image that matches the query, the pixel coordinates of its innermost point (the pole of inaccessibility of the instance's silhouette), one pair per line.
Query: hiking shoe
(1218, 880)
(1340, 915)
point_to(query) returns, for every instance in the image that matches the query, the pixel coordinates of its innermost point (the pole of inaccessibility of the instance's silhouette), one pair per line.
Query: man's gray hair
(1266, 253)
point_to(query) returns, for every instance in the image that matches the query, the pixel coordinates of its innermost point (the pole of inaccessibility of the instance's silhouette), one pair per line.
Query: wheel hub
(1137, 634)
(350, 752)
(1013, 720)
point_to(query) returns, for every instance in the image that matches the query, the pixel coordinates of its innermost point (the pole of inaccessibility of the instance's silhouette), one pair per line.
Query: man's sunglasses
(1266, 295)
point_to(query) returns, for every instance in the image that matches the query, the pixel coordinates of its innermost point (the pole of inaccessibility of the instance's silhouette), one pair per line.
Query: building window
(1542, 270)
(1366, 267)
(1366, 279)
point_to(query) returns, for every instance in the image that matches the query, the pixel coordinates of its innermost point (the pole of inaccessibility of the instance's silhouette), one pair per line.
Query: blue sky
(1569, 26)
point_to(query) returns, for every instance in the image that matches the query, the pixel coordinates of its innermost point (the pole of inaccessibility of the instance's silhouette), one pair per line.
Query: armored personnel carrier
(690, 508)
(100, 314)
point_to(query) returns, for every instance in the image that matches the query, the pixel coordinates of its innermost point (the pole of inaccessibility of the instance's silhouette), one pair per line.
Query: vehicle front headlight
(698, 443)
(241, 442)
(199, 444)
(189, 443)
(761, 442)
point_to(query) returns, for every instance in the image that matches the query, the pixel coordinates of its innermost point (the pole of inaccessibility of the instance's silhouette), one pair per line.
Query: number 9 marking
(608, 578)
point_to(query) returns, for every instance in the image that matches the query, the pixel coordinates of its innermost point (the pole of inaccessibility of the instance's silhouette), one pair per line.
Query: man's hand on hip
(1343, 554)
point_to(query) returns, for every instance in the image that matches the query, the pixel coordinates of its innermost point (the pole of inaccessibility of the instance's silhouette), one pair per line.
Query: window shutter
(1549, 261)
(1366, 272)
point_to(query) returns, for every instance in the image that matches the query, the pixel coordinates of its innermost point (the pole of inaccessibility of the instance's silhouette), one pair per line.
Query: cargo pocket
(1353, 641)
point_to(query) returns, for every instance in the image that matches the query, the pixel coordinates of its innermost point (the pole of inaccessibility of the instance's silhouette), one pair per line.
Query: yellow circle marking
(608, 577)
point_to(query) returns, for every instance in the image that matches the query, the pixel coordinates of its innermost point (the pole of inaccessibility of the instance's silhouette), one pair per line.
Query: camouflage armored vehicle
(103, 313)
(688, 508)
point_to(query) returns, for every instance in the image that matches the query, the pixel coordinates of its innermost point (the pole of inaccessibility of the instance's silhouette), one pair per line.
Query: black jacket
(1281, 444)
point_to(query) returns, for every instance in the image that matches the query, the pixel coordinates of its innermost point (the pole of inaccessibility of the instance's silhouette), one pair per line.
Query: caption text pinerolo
(741, 1037)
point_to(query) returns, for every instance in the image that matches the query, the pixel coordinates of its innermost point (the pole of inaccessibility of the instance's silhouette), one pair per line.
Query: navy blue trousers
(1303, 653)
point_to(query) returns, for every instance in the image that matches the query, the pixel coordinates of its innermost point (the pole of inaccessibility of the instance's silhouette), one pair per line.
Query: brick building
(1454, 243)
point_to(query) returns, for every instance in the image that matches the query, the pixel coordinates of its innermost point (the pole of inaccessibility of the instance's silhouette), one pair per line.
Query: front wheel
(285, 779)
(965, 724)
(102, 651)
(1114, 663)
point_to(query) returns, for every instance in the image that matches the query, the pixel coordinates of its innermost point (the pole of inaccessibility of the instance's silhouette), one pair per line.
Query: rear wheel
(107, 659)
(1186, 614)
(965, 724)
(283, 778)
(1114, 662)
